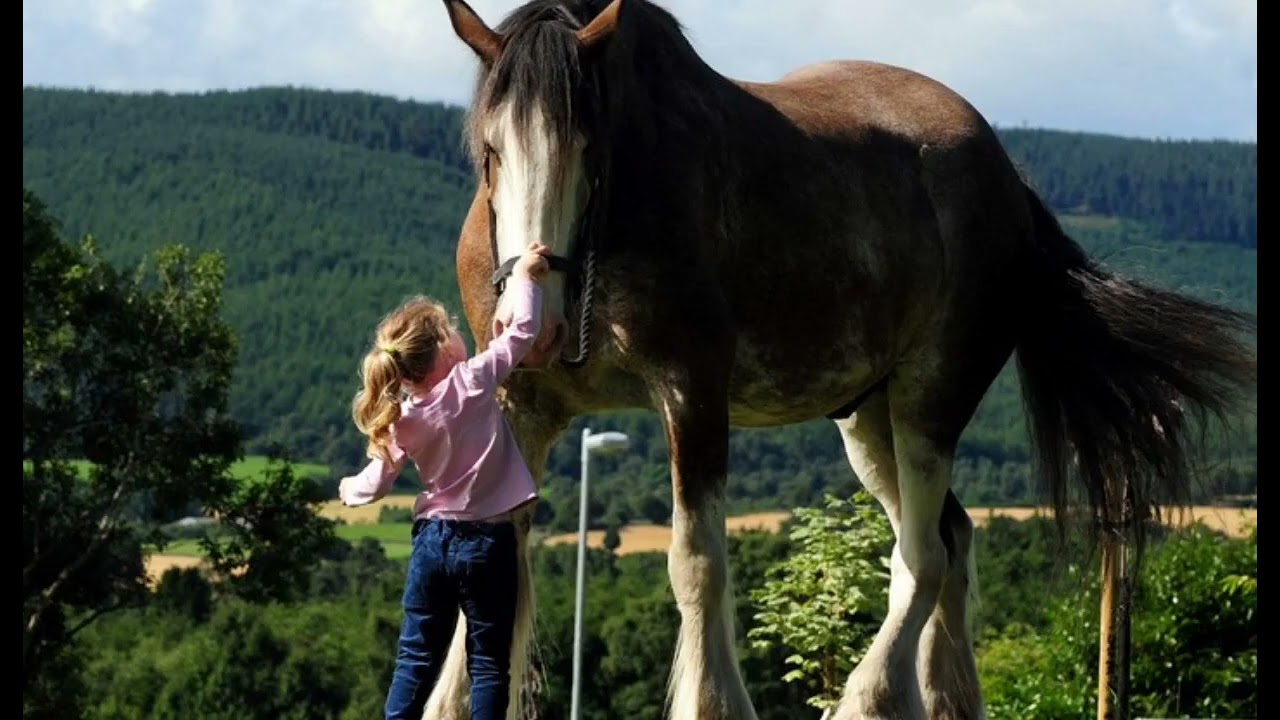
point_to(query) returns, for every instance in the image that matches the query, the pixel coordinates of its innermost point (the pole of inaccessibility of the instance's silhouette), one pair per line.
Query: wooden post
(1115, 612)
(1124, 613)
(1107, 623)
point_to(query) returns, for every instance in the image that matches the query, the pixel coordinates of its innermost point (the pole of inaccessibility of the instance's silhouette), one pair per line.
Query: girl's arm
(374, 482)
(491, 367)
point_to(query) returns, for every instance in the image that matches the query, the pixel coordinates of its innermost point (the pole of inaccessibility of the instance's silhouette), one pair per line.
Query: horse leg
(947, 668)
(947, 671)
(535, 432)
(868, 444)
(705, 683)
(884, 685)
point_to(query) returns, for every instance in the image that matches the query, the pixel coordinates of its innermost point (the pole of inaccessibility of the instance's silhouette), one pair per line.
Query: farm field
(1234, 522)
(362, 523)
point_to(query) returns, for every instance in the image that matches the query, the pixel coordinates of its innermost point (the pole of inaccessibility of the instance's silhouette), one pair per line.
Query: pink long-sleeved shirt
(456, 434)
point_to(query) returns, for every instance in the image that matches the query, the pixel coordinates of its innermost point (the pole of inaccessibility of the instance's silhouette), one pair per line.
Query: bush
(397, 515)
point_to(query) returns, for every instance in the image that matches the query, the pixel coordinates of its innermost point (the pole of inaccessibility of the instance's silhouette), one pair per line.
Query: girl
(450, 425)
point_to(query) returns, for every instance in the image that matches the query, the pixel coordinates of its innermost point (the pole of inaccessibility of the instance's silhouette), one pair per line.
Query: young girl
(452, 428)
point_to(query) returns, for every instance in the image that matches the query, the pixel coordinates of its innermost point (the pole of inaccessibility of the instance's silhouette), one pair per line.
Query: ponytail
(406, 346)
(377, 405)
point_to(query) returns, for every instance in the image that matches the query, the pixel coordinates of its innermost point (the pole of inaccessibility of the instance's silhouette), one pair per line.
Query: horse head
(530, 131)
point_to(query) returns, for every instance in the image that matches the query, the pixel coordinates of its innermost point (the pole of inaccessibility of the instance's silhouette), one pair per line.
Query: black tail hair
(1114, 371)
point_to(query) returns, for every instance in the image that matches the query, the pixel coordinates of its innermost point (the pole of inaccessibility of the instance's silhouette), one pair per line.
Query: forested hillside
(331, 207)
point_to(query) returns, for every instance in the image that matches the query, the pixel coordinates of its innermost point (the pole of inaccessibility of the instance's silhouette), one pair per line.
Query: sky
(1181, 69)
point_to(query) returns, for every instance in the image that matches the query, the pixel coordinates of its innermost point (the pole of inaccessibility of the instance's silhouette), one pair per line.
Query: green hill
(331, 207)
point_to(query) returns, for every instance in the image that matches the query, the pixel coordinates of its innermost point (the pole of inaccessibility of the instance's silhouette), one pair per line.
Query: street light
(604, 442)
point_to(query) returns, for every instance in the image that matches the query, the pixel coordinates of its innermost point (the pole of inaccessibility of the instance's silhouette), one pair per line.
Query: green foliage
(827, 599)
(331, 207)
(1194, 640)
(131, 374)
(612, 540)
(272, 534)
(186, 592)
(398, 515)
(331, 653)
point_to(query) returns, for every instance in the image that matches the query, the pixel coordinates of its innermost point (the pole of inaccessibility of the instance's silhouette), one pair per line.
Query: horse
(851, 242)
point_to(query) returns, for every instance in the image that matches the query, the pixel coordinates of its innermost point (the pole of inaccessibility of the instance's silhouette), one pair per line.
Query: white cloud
(1180, 68)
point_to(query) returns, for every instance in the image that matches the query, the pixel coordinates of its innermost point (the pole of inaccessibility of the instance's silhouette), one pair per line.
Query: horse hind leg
(704, 683)
(884, 684)
(947, 669)
(868, 443)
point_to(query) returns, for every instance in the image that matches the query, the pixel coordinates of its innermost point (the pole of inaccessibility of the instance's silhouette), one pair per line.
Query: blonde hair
(406, 344)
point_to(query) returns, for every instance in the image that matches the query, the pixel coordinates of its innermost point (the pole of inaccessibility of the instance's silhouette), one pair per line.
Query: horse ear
(473, 31)
(602, 27)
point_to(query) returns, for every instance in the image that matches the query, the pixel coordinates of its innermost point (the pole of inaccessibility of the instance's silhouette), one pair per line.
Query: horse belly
(769, 388)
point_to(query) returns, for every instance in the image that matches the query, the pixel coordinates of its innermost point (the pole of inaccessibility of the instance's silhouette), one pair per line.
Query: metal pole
(574, 710)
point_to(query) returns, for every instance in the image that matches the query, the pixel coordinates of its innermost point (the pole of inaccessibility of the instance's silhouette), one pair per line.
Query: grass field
(362, 523)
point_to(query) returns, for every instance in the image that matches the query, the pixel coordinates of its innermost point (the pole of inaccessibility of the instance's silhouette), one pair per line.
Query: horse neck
(683, 119)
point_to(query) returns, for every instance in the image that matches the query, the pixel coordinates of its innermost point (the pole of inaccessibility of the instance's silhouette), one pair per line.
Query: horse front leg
(705, 683)
(536, 425)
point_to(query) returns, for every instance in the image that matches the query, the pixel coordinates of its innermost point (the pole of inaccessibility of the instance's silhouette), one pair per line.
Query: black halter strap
(503, 271)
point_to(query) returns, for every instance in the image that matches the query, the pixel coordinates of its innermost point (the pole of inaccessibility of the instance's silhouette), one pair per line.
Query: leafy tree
(612, 540)
(129, 376)
(827, 599)
(184, 591)
(273, 534)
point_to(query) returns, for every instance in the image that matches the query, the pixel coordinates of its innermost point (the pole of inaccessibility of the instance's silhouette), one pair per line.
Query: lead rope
(584, 313)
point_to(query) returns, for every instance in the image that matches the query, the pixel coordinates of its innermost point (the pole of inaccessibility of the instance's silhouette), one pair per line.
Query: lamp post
(597, 442)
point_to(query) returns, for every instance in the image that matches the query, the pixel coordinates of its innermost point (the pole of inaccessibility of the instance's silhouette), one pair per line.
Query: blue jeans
(457, 564)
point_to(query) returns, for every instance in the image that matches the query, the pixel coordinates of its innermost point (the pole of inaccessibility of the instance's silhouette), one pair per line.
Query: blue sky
(1144, 68)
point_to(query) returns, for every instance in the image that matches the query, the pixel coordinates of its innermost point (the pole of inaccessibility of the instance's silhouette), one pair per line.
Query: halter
(584, 249)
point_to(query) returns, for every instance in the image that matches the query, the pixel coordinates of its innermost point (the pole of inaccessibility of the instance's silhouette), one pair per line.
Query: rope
(584, 314)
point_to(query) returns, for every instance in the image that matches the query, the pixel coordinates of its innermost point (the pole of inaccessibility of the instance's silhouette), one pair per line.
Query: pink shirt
(457, 435)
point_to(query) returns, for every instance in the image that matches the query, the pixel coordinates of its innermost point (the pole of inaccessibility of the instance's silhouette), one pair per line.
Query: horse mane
(649, 78)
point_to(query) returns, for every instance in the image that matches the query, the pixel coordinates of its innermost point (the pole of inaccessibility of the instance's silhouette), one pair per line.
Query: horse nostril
(562, 329)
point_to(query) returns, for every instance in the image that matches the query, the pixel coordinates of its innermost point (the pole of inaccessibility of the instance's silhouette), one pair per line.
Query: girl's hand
(533, 264)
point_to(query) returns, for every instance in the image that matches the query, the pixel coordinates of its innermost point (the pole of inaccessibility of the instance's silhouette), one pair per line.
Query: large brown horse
(850, 241)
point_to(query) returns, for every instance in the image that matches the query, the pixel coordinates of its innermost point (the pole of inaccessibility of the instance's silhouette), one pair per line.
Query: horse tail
(1119, 379)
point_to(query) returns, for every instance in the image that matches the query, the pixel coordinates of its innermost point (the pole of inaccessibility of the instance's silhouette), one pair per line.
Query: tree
(124, 427)
(612, 539)
(130, 375)
(825, 601)
(272, 535)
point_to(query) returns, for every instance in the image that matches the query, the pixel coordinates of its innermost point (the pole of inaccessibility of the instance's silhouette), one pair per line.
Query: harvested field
(656, 538)
(1234, 522)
